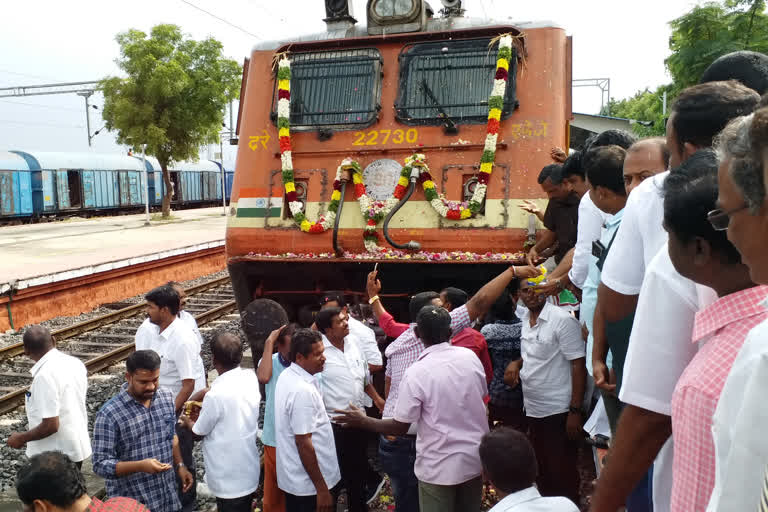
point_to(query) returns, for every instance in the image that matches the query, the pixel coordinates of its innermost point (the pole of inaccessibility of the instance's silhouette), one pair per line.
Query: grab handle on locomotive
(412, 245)
(337, 249)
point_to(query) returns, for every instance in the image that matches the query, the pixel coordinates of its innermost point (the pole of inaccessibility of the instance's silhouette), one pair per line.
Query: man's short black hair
(551, 172)
(701, 111)
(302, 342)
(420, 300)
(749, 68)
(165, 297)
(37, 339)
(605, 168)
(50, 476)
(456, 296)
(142, 360)
(508, 459)
(572, 165)
(690, 192)
(434, 325)
(336, 297)
(227, 349)
(610, 137)
(503, 310)
(324, 318)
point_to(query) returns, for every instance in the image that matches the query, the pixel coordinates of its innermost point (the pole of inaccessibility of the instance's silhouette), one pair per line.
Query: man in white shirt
(181, 367)
(307, 469)
(660, 340)
(185, 315)
(55, 404)
(553, 375)
(509, 463)
(344, 381)
(228, 423)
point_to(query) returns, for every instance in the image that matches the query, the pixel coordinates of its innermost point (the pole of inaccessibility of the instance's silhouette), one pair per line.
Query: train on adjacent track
(38, 185)
(439, 124)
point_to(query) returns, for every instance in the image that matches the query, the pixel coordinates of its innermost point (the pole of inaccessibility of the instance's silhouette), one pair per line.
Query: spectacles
(720, 219)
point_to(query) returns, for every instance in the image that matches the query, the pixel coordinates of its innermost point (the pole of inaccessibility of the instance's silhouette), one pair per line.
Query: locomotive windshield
(450, 80)
(336, 90)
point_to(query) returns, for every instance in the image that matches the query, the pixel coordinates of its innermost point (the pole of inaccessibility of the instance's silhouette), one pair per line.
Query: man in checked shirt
(135, 448)
(398, 453)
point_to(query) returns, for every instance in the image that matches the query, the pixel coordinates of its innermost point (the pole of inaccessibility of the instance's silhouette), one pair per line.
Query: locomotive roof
(51, 160)
(433, 25)
(12, 162)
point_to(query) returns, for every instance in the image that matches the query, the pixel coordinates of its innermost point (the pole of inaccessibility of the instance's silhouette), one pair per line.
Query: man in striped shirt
(397, 454)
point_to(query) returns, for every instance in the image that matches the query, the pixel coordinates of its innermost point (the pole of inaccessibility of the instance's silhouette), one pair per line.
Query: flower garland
(326, 221)
(373, 210)
(459, 210)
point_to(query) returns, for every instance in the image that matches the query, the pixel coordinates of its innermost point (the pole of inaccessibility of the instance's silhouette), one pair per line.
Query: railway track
(105, 340)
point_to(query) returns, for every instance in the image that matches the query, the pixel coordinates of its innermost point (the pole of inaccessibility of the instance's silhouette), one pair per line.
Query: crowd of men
(660, 239)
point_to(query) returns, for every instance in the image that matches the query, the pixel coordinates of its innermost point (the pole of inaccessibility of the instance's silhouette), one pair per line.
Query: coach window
(337, 90)
(450, 80)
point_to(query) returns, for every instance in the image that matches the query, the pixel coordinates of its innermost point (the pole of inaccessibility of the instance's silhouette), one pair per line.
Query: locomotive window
(450, 79)
(334, 90)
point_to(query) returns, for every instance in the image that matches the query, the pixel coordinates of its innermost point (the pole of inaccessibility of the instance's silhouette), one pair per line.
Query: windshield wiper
(450, 126)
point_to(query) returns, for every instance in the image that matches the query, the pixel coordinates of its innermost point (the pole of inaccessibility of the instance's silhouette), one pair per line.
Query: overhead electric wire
(70, 109)
(241, 29)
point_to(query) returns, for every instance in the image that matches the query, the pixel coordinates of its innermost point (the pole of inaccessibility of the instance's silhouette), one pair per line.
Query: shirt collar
(516, 498)
(726, 310)
(301, 372)
(614, 219)
(229, 374)
(437, 347)
(39, 364)
(168, 331)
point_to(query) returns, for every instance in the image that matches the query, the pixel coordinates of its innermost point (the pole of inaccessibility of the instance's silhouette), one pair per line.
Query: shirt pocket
(542, 350)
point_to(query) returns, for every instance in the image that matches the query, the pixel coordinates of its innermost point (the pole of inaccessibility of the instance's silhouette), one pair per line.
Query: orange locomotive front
(430, 137)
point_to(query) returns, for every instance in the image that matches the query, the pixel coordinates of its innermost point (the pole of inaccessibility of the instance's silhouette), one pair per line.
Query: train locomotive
(405, 144)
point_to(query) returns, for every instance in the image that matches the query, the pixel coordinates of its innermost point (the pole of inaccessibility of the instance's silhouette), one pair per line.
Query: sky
(51, 41)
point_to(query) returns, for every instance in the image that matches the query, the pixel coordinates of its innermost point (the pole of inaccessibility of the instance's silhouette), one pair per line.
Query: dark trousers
(241, 504)
(352, 455)
(397, 455)
(186, 445)
(557, 457)
(295, 503)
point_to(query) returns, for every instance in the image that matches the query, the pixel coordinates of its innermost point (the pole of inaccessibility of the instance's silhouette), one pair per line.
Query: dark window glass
(335, 90)
(450, 79)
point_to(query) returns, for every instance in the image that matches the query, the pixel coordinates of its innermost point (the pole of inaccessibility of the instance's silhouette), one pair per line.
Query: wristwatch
(180, 465)
(574, 410)
(373, 299)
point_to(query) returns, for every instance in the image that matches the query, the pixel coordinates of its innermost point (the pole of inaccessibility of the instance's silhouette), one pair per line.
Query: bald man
(55, 402)
(228, 423)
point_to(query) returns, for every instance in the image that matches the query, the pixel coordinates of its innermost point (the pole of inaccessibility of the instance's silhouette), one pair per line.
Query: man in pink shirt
(442, 392)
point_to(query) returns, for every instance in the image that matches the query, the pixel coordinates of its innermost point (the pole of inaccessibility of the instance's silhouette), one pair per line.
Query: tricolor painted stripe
(250, 207)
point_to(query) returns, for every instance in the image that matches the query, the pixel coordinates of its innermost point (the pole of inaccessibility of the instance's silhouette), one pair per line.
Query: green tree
(173, 97)
(708, 31)
(645, 107)
(711, 30)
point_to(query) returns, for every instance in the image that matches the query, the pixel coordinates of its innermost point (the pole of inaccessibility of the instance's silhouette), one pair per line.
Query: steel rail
(10, 401)
(110, 318)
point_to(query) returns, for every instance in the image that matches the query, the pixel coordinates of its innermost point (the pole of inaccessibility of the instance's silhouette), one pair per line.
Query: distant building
(584, 125)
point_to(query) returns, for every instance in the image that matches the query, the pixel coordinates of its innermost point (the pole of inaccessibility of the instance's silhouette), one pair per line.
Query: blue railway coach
(37, 183)
(16, 187)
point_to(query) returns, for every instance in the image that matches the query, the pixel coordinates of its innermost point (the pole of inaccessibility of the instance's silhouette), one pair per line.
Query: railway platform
(64, 268)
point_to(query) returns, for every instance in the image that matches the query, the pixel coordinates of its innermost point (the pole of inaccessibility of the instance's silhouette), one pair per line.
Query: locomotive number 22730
(376, 137)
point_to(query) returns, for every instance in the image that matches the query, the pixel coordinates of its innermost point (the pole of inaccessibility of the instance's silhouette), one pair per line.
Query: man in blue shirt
(135, 448)
(268, 372)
